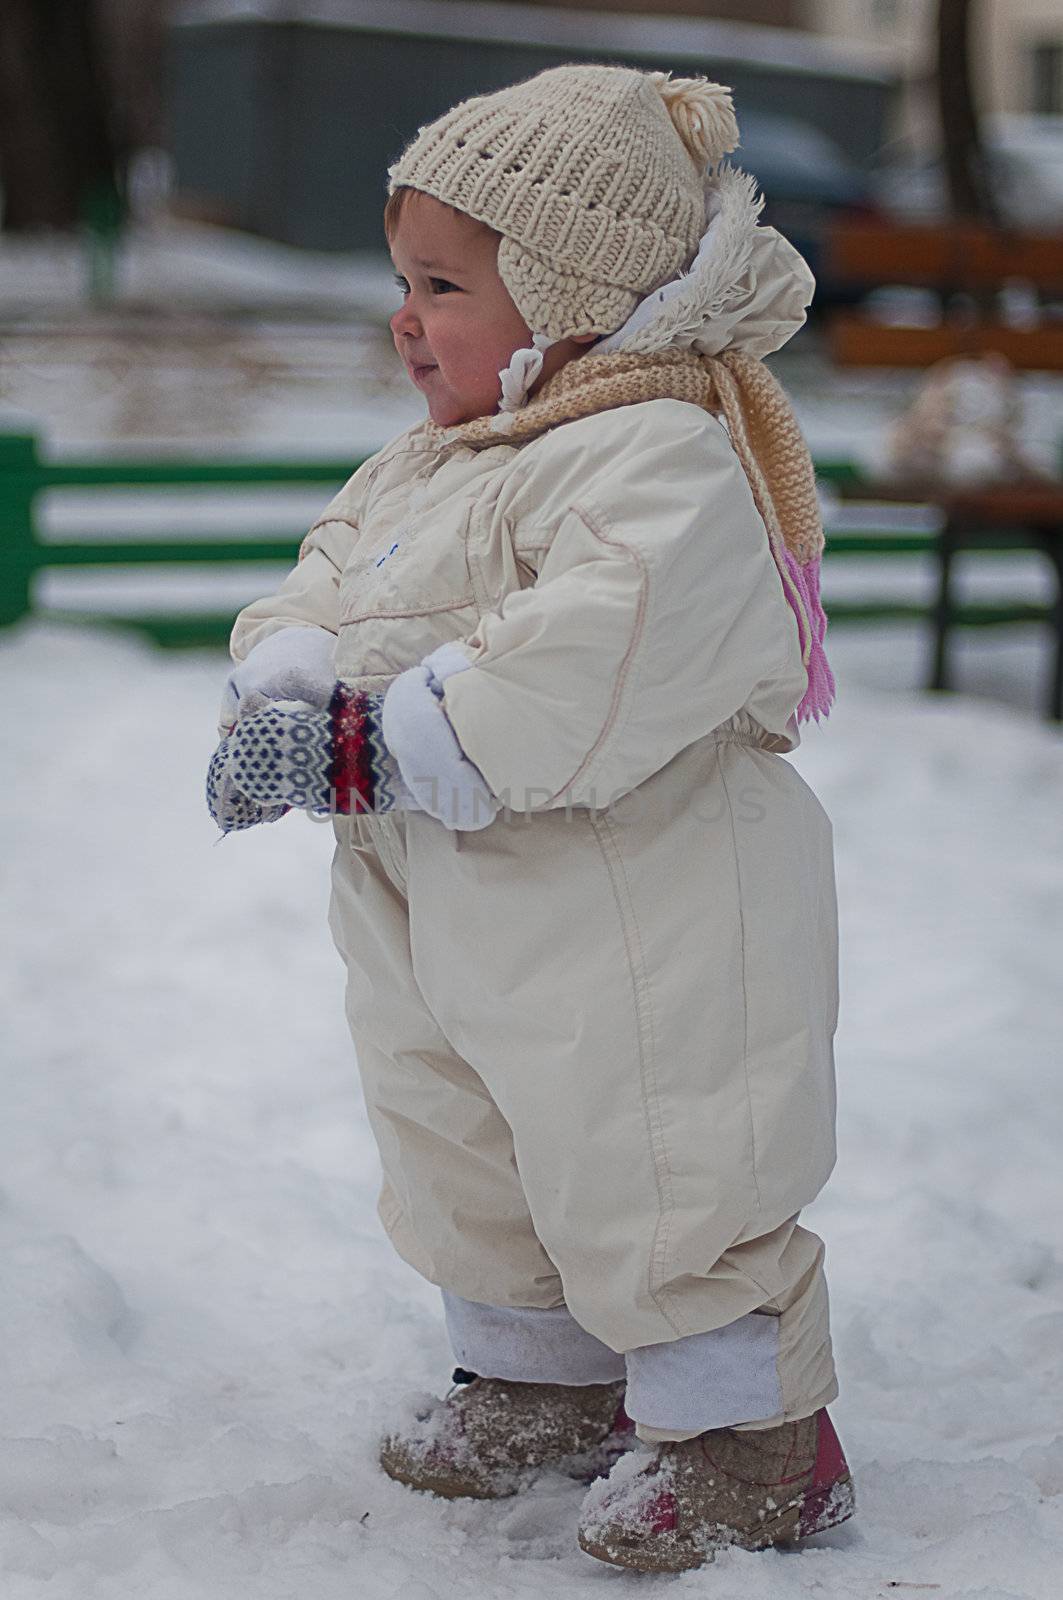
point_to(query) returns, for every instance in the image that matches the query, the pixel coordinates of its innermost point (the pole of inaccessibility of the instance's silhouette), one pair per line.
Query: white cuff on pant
(707, 1380)
(524, 1344)
(703, 1380)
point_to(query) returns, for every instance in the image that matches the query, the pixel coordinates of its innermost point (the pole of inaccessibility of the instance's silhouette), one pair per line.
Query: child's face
(457, 327)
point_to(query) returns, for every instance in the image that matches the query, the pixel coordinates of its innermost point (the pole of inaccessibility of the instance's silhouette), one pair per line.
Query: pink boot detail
(670, 1508)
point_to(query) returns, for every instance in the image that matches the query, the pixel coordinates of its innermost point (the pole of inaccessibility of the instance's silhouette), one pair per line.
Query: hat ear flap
(545, 296)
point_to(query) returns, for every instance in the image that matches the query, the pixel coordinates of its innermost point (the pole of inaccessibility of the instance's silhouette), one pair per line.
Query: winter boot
(488, 1437)
(668, 1507)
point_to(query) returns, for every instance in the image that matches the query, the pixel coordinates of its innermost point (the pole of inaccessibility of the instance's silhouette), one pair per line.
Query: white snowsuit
(596, 1040)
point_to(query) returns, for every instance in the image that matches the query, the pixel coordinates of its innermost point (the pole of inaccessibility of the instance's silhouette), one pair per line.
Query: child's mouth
(417, 373)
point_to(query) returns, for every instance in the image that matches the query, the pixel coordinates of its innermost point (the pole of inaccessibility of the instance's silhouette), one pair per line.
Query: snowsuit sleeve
(309, 595)
(657, 611)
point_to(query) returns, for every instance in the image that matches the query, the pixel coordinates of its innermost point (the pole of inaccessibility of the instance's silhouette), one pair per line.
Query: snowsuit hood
(746, 289)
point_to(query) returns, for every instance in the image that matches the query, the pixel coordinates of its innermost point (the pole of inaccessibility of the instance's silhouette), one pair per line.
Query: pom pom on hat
(702, 114)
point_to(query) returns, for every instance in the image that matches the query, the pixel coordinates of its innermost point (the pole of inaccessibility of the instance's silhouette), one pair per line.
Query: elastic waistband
(744, 729)
(734, 736)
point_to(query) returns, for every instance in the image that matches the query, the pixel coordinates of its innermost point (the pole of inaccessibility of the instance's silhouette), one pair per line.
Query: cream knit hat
(594, 177)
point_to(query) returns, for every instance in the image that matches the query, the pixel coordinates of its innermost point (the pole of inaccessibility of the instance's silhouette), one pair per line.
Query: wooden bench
(991, 519)
(953, 260)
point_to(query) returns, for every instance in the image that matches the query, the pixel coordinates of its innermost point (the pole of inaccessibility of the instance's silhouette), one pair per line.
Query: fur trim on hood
(746, 289)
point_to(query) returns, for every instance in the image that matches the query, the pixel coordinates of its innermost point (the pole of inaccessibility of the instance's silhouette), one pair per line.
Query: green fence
(23, 553)
(24, 477)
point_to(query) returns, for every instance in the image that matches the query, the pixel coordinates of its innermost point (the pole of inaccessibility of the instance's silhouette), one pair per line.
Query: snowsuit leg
(667, 1076)
(451, 1200)
(541, 1031)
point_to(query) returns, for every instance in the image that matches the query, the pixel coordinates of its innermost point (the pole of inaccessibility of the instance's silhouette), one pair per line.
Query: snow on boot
(668, 1507)
(488, 1437)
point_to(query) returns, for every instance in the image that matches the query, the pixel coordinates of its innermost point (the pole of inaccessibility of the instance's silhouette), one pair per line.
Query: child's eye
(441, 285)
(401, 282)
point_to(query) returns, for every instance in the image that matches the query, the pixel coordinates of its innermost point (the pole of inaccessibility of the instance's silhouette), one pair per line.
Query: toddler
(540, 662)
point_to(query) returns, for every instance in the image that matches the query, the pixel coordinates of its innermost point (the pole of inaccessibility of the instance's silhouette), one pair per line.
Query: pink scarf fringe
(812, 627)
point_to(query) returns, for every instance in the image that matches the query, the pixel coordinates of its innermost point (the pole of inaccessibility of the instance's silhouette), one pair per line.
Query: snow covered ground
(202, 1325)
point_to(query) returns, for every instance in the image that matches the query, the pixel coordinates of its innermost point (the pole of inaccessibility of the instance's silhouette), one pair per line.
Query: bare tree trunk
(59, 149)
(969, 183)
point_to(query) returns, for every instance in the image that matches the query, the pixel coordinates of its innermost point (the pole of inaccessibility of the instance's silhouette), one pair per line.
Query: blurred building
(774, 13)
(283, 115)
(1017, 50)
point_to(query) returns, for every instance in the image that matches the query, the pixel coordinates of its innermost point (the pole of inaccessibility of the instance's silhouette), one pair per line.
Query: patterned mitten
(228, 805)
(331, 761)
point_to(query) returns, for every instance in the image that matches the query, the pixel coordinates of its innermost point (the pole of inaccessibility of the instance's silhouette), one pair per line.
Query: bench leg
(941, 615)
(1054, 550)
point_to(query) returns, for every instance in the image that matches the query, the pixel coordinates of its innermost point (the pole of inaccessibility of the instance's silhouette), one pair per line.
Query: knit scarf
(764, 433)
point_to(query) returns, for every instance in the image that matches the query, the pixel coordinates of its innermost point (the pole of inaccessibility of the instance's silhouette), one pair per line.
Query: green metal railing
(23, 554)
(24, 476)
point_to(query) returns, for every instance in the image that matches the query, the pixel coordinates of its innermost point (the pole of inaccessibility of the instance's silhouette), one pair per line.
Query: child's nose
(405, 322)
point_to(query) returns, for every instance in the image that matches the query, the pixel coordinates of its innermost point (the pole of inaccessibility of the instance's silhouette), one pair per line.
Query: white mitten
(292, 664)
(419, 735)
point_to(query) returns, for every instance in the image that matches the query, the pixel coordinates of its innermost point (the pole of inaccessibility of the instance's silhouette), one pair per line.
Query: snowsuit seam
(466, 536)
(605, 835)
(745, 990)
(383, 457)
(306, 548)
(594, 753)
(325, 522)
(461, 603)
